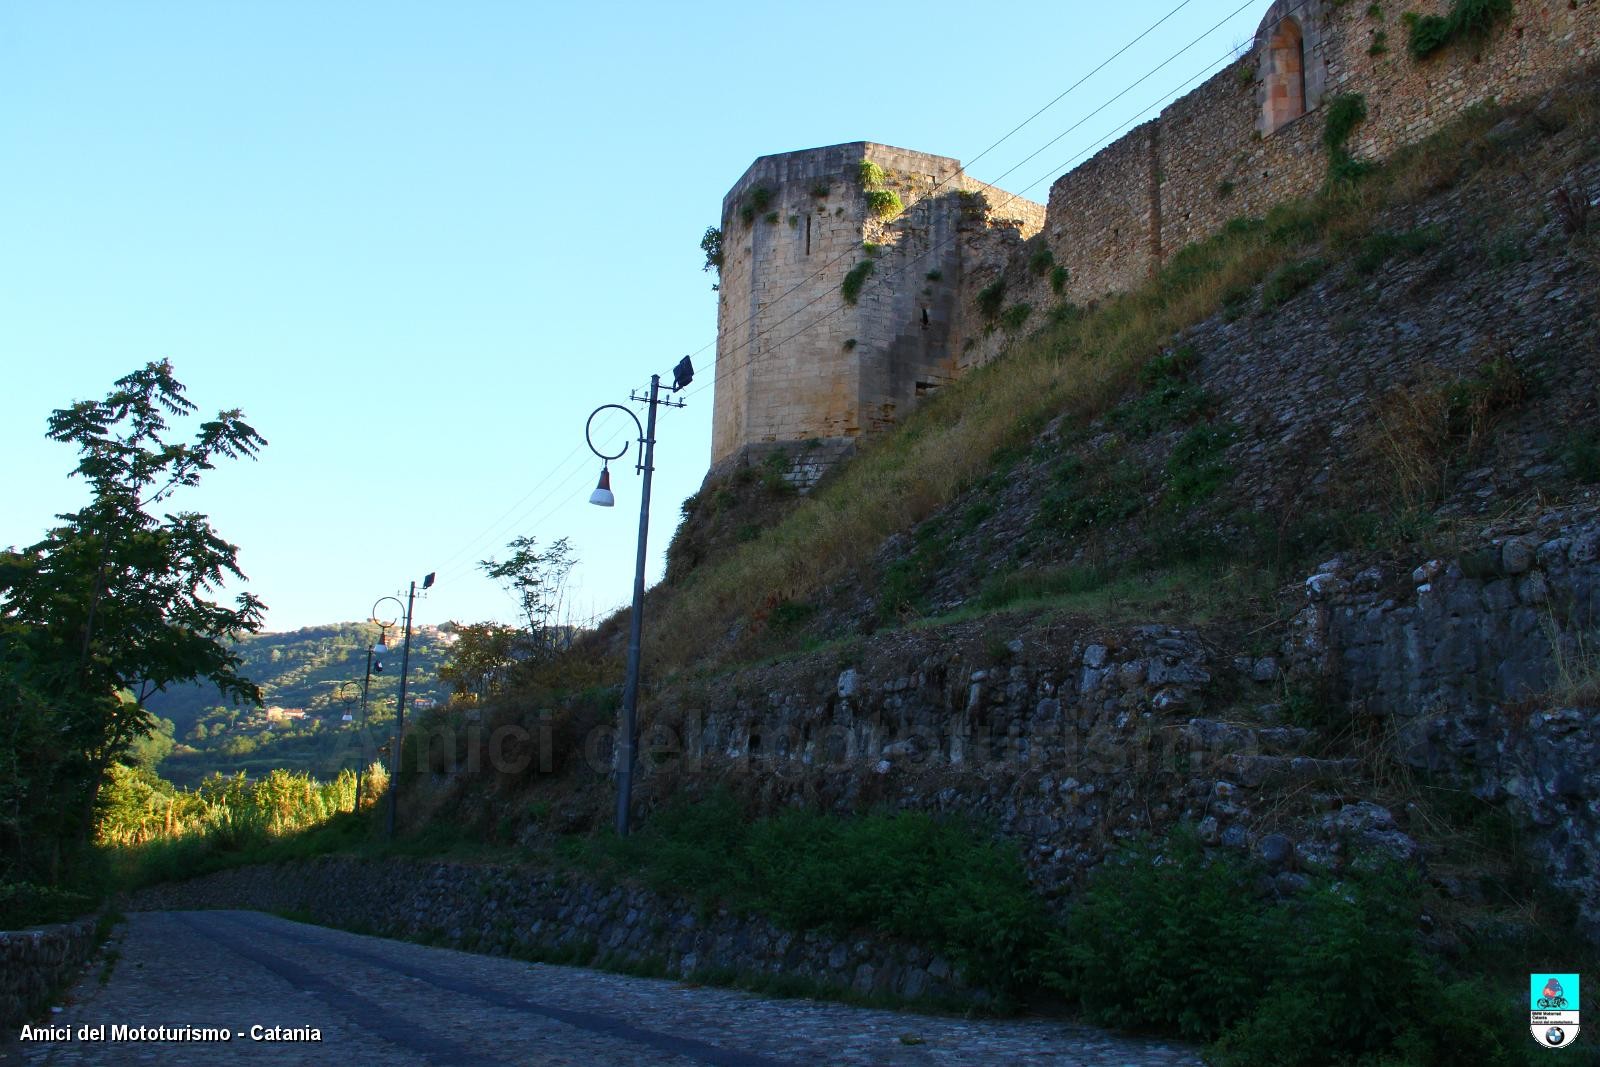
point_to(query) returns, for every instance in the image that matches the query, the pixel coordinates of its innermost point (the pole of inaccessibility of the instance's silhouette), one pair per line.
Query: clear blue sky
(418, 243)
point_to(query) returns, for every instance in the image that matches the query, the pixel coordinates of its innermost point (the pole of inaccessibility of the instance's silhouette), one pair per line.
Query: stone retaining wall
(529, 912)
(34, 963)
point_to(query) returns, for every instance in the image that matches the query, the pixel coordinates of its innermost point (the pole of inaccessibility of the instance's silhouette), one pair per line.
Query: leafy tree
(110, 607)
(538, 580)
(482, 656)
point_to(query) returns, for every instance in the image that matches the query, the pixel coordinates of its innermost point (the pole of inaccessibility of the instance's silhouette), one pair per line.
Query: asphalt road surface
(240, 986)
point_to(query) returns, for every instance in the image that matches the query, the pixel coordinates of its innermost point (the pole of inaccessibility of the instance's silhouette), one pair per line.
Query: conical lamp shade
(601, 496)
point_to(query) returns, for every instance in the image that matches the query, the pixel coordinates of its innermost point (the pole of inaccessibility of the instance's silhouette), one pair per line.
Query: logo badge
(1553, 1008)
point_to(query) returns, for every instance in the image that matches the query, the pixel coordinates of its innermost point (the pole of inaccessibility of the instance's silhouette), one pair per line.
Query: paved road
(377, 1002)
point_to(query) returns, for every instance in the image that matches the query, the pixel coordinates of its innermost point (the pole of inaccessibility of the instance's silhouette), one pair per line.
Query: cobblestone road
(381, 1002)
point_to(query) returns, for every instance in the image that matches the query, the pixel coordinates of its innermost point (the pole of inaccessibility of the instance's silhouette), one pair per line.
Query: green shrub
(1345, 112)
(1469, 20)
(1289, 281)
(24, 904)
(1014, 316)
(1041, 261)
(991, 298)
(1059, 276)
(942, 883)
(884, 203)
(1194, 471)
(1581, 457)
(1378, 248)
(870, 175)
(1169, 939)
(1168, 399)
(850, 288)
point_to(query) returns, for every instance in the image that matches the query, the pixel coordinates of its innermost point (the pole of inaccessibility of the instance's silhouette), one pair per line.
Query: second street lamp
(627, 735)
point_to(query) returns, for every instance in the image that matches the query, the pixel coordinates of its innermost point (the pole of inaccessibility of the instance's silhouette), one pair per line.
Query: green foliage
(1471, 21)
(1169, 939)
(755, 202)
(934, 275)
(711, 245)
(870, 175)
(481, 659)
(1014, 316)
(884, 203)
(821, 190)
(1168, 397)
(1378, 248)
(109, 608)
(871, 248)
(1194, 471)
(1080, 500)
(1059, 276)
(1288, 281)
(1344, 113)
(537, 580)
(1428, 33)
(1580, 454)
(854, 279)
(157, 833)
(25, 904)
(942, 883)
(991, 298)
(1041, 261)
(1379, 45)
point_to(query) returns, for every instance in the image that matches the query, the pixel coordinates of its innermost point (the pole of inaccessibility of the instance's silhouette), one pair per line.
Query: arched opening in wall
(1285, 80)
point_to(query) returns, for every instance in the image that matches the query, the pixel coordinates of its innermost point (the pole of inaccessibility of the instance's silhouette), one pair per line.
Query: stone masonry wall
(530, 912)
(788, 372)
(1099, 217)
(35, 963)
(1204, 161)
(795, 363)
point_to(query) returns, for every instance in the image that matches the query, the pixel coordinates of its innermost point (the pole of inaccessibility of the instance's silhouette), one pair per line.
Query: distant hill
(309, 679)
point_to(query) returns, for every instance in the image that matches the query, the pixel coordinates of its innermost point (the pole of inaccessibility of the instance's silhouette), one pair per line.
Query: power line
(820, 271)
(723, 372)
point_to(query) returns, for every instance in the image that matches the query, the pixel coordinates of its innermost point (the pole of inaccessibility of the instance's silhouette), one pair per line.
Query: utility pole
(400, 711)
(627, 737)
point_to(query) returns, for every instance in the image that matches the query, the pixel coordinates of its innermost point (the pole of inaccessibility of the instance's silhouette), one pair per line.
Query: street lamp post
(384, 626)
(627, 737)
(400, 707)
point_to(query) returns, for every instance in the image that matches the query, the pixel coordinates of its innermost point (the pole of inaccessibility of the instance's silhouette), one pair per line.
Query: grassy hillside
(317, 670)
(1104, 400)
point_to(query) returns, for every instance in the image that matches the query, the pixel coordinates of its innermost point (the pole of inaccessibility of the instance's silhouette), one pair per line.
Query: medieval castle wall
(1250, 137)
(795, 361)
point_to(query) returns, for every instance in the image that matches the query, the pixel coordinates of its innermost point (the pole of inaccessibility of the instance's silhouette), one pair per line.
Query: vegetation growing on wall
(1469, 21)
(711, 245)
(991, 298)
(884, 203)
(850, 288)
(870, 175)
(1344, 113)
(756, 202)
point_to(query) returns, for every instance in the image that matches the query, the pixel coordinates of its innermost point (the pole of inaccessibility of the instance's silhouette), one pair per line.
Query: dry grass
(1422, 428)
(1078, 367)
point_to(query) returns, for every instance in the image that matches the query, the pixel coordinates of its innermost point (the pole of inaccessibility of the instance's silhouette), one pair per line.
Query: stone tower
(800, 366)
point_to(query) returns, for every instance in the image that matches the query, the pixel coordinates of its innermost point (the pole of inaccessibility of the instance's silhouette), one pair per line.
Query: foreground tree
(111, 606)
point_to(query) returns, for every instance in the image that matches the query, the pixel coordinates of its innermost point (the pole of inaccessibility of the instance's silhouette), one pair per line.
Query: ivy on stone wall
(1345, 112)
